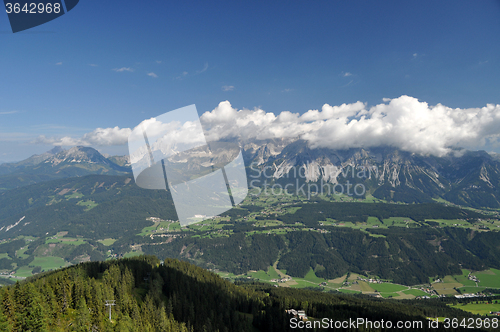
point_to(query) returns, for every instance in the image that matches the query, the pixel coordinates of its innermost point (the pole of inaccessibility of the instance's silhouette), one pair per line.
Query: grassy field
(133, 254)
(48, 263)
(415, 292)
(311, 276)
(338, 280)
(302, 283)
(365, 287)
(373, 221)
(388, 288)
(147, 230)
(73, 195)
(107, 242)
(268, 223)
(271, 271)
(469, 289)
(89, 205)
(24, 271)
(65, 240)
(352, 277)
(176, 226)
(449, 280)
(398, 221)
(333, 285)
(446, 288)
(462, 278)
(482, 308)
(270, 231)
(20, 253)
(489, 278)
(263, 275)
(310, 279)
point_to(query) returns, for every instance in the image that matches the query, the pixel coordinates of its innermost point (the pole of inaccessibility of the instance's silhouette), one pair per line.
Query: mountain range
(468, 178)
(59, 163)
(100, 212)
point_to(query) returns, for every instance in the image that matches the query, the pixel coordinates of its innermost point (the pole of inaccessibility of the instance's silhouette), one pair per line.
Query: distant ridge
(469, 178)
(59, 163)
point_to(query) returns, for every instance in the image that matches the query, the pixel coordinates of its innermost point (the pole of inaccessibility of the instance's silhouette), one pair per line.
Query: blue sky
(116, 63)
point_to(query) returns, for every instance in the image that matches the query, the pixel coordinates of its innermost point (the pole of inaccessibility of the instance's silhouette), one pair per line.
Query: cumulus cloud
(122, 69)
(152, 75)
(227, 88)
(405, 123)
(98, 137)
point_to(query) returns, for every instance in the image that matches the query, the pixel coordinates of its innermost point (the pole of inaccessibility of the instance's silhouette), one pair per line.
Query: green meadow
(415, 292)
(489, 278)
(469, 289)
(24, 271)
(386, 287)
(265, 275)
(66, 240)
(481, 308)
(48, 263)
(107, 242)
(133, 254)
(89, 205)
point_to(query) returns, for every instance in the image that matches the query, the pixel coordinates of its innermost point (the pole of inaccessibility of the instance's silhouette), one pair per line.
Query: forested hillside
(406, 256)
(176, 296)
(68, 221)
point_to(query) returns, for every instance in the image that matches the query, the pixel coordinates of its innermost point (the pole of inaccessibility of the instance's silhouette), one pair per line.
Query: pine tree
(82, 321)
(4, 323)
(30, 315)
(8, 305)
(125, 324)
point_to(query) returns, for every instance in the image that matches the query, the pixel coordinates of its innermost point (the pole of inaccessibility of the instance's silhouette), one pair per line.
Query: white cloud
(152, 75)
(405, 123)
(348, 84)
(119, 70)
(181, 76)
(347, 74)
(59, 63)
(158, 61)
(203, 70)
(92, 65)
(227, 88)
(98, 137)
(8, 112)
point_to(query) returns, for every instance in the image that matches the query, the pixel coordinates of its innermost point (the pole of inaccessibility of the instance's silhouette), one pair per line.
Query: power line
(110, 303)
